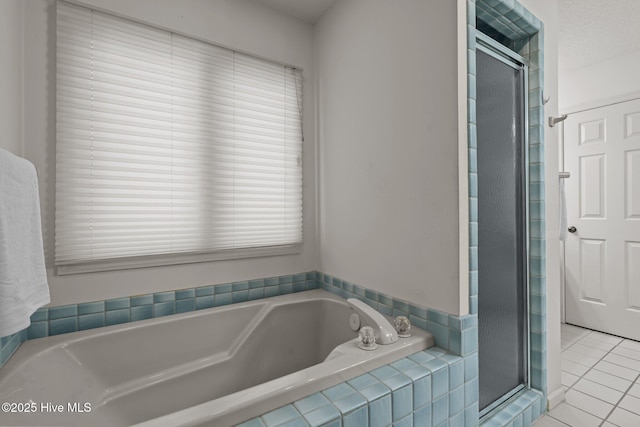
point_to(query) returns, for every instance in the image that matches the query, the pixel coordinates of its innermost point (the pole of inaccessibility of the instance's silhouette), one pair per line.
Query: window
(170, 149)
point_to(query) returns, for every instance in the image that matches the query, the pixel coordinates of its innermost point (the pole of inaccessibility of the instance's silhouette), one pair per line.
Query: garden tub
(219, 366)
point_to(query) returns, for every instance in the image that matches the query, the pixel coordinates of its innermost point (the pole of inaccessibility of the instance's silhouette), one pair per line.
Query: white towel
(23, 277)
(563, 212)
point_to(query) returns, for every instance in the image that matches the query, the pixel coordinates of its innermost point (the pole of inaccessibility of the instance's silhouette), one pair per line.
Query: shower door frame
(505, 55)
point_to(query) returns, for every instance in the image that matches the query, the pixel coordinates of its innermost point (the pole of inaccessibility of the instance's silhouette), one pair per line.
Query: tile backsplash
(49, 321)
(453, 333)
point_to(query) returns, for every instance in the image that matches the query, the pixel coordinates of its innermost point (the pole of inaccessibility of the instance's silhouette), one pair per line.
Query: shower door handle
(572, 229)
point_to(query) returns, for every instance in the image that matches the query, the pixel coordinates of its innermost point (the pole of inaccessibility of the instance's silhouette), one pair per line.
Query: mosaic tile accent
(509, 23)
(413, 391)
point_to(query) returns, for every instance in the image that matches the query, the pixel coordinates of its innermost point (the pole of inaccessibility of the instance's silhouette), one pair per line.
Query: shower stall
(501, 105)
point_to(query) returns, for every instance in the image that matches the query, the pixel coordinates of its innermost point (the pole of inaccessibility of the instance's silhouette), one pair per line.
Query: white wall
(238, 24)
(11, 75)
(547, 12)
(615, 79)
(388, 129)
(388, 138)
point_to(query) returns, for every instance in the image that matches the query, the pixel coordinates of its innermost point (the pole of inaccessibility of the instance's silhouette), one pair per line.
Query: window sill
(175, 259)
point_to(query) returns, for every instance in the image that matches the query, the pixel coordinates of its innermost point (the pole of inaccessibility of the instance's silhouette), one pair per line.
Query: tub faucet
(384, 331)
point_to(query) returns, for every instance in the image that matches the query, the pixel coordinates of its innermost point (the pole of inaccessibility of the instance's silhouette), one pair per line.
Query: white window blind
(170, 145)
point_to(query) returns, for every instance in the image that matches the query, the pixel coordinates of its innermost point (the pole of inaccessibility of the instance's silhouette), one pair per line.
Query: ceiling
(306, 10)
(592, 31)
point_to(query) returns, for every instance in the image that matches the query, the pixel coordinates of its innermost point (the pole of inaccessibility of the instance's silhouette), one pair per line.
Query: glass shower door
(502, 236)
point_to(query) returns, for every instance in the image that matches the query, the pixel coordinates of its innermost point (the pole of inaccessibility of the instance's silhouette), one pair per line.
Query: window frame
(175, 259)
(178, 258)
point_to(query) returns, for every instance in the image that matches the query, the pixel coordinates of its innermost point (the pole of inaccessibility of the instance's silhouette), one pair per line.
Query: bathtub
(219, 366)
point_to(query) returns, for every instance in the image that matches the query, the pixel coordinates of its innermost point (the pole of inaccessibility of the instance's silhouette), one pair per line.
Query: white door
(602, 257)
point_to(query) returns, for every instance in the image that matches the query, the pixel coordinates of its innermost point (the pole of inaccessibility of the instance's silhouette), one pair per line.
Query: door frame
(507, 56)
(592, 105)
(513, 25)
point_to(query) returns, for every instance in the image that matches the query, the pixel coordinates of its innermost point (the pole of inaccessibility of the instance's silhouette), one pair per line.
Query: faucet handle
(367, 338)
(403, 326)
(383, 329)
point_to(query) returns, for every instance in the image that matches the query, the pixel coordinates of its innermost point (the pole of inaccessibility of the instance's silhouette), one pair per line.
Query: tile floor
(601, 375)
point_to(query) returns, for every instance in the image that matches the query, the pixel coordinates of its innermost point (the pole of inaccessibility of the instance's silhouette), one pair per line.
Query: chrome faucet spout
(384, 330)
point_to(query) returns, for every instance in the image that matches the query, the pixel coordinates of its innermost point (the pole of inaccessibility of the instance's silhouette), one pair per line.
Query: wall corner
(463, 160)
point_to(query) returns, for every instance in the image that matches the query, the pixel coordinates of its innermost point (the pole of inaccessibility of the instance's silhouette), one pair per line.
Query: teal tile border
(453, 333)
(437, 384)
(413, 391)
(96, 314)
(522, 410)
(511, 24)
(9, 344)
